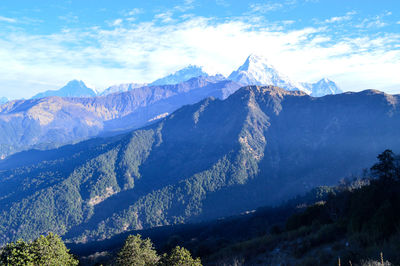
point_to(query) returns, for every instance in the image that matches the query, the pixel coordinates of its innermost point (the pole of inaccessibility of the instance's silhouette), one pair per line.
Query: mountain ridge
(52, 121)
(257, 147)
(121, 88)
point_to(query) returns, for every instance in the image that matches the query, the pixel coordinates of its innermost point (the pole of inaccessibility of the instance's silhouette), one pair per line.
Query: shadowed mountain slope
(259, 146)
(53, 121)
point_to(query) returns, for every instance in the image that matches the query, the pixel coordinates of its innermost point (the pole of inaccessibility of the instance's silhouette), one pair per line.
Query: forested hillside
(258, 147)
(354, 222)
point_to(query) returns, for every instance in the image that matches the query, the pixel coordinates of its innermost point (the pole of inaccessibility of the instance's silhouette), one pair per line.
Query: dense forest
(260, 146)
(355, 222)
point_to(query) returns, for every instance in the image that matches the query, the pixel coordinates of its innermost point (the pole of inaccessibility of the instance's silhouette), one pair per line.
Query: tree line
(51, 250)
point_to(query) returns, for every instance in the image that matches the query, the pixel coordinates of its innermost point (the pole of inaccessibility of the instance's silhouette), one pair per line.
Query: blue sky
(44, 44)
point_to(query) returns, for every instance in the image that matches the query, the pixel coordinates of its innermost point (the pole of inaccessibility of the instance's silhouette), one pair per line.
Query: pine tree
(385, 169)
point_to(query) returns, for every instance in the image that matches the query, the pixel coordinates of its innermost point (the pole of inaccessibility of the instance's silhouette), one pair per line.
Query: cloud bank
(129, 51)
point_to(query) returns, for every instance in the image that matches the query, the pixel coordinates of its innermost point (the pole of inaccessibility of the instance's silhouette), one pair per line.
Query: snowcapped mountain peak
(255, 63)
(325, 81)
(257, 59)
(121, 88)
(323, 87)
(191, 71)
(257, 70)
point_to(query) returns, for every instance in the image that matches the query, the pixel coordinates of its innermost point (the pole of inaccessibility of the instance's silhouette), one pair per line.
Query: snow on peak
(122, 88)
(257, 70)
(323, 87)
(191, 71)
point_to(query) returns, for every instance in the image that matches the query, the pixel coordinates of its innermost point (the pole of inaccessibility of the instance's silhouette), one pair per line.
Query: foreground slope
(259, 146)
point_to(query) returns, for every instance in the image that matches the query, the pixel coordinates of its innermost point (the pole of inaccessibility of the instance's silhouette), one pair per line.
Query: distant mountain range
(75, 113)
(53, 121)
(74, 88)
(259, 146)
(256, 70)
(178, 77)
(121, 88)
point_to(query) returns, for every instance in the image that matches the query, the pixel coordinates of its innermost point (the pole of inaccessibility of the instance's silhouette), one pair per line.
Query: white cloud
(134, 12)
(70, 18)
(6, 19)
(222, 3)
(116, 22)
(265, 7)
(375, 21)
(145, 51)
(270, 6)
(185, 6)
(165, 17)
(348, 16)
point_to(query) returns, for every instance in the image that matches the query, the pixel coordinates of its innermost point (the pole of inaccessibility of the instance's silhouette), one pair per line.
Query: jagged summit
(191, 71)
(323, 87)
(257, 70)
(74, 88)
(121, 88)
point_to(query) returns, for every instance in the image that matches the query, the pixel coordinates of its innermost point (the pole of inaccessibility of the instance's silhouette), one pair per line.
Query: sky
(44, 44)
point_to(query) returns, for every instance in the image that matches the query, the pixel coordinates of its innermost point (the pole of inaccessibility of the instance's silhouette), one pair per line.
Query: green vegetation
(316, 229)
(134, 181)
(180, 256)
(258, 147)
(353, 223)
(140, 252)
(137, 251)
(45, 250)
